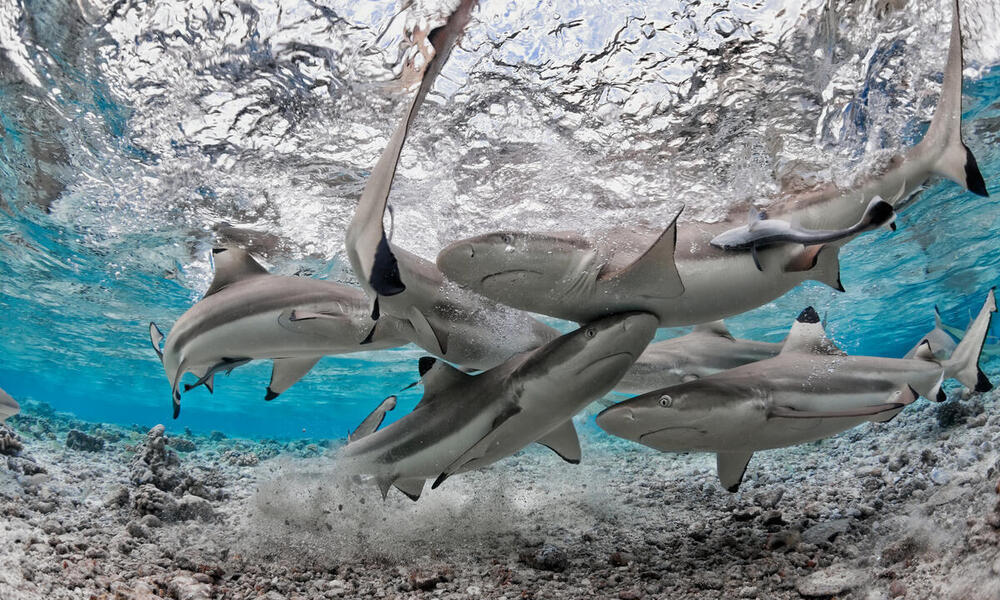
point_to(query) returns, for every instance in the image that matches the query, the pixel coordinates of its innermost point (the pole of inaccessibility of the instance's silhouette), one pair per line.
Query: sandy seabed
(907, 509)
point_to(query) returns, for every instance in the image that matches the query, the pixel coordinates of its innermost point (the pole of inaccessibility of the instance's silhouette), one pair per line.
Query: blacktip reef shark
(708, 349)
(465, 422)
(8, 406)
(449, 322)
(810, 391)
(677, 274)
(940, 340)
(761, 231)
(249, 314)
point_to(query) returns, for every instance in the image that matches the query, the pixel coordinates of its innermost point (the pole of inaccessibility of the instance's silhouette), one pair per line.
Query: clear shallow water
(134, 137)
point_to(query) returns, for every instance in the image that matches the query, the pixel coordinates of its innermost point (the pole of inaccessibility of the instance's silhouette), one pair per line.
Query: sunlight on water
(135, 136)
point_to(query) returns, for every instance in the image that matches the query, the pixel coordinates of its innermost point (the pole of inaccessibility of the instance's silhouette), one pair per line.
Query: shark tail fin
(963, 364)
(944, 136)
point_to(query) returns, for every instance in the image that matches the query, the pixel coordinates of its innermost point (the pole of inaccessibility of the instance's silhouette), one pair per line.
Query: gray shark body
(449, 322)
(707, 350)
(811, 390)
(465, 422)
(677, 274)
(248, 314)
(8, 406)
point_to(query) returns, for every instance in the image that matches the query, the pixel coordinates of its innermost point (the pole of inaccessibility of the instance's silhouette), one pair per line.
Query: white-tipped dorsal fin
(808, 337)
(286, 371)
(412, 487)
(231, 265)
(563, 441)
(731, 467)
(923, 351)
(372, 422)
(715, 328)
(437, 375)
(655, 272)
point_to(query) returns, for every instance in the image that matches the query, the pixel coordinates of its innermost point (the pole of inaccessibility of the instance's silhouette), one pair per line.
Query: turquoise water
(111, 196)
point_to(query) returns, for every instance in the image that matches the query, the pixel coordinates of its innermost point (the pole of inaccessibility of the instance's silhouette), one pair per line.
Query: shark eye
(506, 238)
(666, 401)
(590, 333)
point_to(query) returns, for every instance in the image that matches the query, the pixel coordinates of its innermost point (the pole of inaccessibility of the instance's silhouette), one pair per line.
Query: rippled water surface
(138, 134)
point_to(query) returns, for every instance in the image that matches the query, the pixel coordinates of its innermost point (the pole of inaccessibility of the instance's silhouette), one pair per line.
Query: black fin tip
(973, 177)
(808, 315)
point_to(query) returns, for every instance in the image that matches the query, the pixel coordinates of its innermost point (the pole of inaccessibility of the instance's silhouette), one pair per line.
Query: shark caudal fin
(944, 136)
(964, 362)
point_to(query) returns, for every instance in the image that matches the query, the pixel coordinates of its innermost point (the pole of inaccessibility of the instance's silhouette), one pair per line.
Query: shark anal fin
(654, 274)
(563, 441)
(232, 264)
(428, 338)
(385, 270)
(286, 371)
(731, 467)
(156, 338)
(412, 487)
(373, 421)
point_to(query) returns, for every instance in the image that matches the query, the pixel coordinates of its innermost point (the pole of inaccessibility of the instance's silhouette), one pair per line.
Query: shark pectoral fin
(412, 487)
(286, 371)
(373, 421)
(231, 265)
(653, 274)
(714, 328)
(436, 376)
(385, 278)
(563, 441)
(807, 336)
(479, 449)
(756, 258)
(731, 467)
(370, 337)
(822, 263)
(435, 342)
(156, 339)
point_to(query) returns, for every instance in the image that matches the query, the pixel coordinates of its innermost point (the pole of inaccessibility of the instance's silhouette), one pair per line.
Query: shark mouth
(645, 437)
(630, 356)
(509, 272)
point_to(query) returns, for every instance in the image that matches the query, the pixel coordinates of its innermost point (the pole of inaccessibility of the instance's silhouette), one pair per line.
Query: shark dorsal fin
(754, 216)
(656, 269)
(714, 328)
(925, 352)
(437, 375)
(231, 265)
(807, 336)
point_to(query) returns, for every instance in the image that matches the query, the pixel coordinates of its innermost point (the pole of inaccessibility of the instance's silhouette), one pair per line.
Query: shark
(761, 231)
(811, 390)
(249, 314)
(8, 406)
(676, 273)
(374, 420)
(465, 422)
(939, 338)
(449, 322)
(708, 349)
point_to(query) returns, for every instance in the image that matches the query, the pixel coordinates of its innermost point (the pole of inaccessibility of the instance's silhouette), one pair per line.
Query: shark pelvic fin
(714, 328)
(286, 371)
(373, 421)
(384, 483)
(807, 336)
(731, 467)
(156, 339)
(412, 487)
(232, 264)
(563, 441)
(428, 338)
(655, 272)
